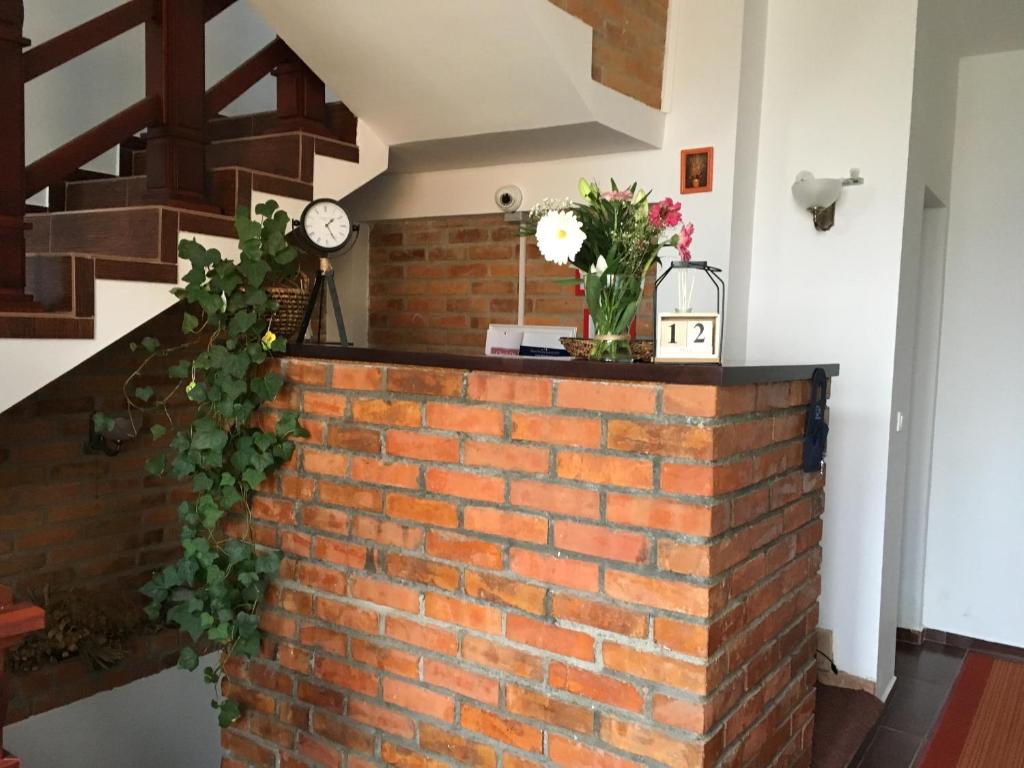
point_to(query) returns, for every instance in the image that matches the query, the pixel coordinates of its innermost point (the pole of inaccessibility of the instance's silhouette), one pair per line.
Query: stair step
(277, 164)
(289, 155)
(46, 326)
(133, 243)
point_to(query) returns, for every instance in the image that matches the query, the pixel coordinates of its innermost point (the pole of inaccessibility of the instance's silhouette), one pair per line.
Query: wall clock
(325, 225)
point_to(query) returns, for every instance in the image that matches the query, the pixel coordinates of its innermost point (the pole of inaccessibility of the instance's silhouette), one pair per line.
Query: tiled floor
(924, 678)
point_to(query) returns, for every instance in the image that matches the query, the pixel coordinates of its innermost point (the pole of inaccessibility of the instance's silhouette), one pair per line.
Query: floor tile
(914, 705)
(931, 662)
(891, 749)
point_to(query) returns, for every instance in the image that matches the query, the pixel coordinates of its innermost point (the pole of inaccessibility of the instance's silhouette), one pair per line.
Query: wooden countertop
(729, 374)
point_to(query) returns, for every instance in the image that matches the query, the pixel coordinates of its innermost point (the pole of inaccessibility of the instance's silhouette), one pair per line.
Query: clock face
(326, 224)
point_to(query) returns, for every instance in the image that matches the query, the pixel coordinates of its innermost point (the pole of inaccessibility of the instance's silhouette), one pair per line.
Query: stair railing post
(301, 98)
(12, 160)
(176, 71)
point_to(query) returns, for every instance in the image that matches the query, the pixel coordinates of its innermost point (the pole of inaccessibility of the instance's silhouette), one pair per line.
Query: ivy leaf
(253, 477)
(286, 256)
(242, 322)
(150, 344)
(144, 393)
(156, 465)
(189, 322)
(157, 431)
(266, 209)
(254, 271)
(188, 659)
(237, 551)
(229, 712)
(210, 676)
(180, 370)
(102, 423)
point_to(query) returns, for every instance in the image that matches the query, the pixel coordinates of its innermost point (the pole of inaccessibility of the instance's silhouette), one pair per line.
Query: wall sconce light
(107, 435)
(819, 196)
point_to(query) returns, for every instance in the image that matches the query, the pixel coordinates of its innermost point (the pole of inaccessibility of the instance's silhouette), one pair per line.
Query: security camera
(509, 198)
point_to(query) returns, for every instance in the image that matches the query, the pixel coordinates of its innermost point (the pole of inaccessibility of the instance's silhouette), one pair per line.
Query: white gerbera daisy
(559, 236)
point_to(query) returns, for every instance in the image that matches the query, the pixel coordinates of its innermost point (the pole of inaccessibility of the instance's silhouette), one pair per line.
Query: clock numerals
(326, 224)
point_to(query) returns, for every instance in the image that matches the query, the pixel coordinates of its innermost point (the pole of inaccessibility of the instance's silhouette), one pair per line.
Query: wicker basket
(641, 350)
(291, 307)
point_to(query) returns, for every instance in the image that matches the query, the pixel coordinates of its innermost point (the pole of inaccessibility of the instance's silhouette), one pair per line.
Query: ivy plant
(214, 591)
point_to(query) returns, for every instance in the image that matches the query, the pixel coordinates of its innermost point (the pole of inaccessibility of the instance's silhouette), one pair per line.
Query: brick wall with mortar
(519, 571)
(437, 284)
(629, 43)
(71, 518)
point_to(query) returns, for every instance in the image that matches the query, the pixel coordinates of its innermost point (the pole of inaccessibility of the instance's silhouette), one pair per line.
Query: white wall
(162, 721)
(920, 422)
(702, 80)
(975, 527)
(939, 30)
(838, 80)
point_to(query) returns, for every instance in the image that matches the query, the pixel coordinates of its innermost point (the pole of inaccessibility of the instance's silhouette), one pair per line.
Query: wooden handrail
(66, 46)
(213, 7)
(246, 75)
(61, 162)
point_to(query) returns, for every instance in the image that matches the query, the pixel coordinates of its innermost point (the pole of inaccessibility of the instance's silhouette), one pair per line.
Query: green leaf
(266, 209)
(102, 423)
(144, 393)
(189, 322)
(229, 712)
(150, 344)
(156, 465)
(188, 659)
(157, 431)
(254, 271)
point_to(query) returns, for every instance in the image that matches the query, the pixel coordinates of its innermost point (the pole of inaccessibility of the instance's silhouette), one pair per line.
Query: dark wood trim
(147, 272)
(176, 74)
(61, 49)
(246, 75)
(45, 327)
(12, 160)
(85, 286)
(63, 161)
(715, 375)
(126, 155)
(213, 7)
(301, 98)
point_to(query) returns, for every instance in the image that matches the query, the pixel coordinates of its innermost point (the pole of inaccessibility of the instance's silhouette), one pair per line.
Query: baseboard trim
(953, 640)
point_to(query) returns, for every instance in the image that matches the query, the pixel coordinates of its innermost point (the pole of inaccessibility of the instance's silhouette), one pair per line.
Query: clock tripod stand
(324, 275)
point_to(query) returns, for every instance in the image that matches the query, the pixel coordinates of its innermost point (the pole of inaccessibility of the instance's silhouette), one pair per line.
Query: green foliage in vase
(614, 239)
(213, 592)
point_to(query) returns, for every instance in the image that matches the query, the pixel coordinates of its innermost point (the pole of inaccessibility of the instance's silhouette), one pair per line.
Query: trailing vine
(213, 592)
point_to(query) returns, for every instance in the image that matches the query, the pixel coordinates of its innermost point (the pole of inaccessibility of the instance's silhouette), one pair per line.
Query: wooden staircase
(103, 228)
(183, 176)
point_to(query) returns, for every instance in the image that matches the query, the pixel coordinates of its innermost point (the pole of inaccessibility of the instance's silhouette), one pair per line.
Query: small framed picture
(688, 337)
(696, 170)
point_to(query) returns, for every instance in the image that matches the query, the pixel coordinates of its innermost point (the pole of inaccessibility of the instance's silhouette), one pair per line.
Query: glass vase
(613, 301)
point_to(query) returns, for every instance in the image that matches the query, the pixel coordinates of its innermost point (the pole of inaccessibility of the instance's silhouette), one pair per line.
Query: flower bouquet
(613, 238)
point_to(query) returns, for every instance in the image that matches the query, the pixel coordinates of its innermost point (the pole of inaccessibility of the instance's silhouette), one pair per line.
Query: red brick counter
(513, 570)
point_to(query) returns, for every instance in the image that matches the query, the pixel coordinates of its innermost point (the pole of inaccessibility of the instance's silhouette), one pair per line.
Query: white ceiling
(509, 78)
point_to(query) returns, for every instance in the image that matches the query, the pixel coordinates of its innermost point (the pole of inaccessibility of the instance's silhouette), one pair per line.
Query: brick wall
(437, 284)
(629, 43)
(519, 571)
(88, 520)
